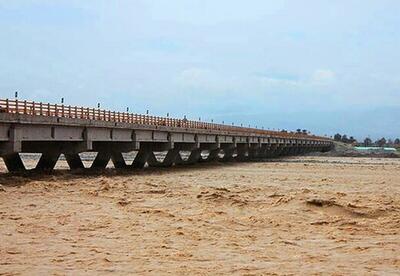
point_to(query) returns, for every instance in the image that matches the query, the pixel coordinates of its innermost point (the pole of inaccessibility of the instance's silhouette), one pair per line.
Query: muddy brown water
(304, 215)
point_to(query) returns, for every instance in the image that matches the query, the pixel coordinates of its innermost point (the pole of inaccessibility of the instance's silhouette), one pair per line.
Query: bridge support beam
(194, 156)
(141, 158)
(74, 161)
(214, 155)
(47, 161)
(101, 160)
(228, 150)
(242, 151)
(169, 159)
(13, 162)
(118, 160)
(254, 152)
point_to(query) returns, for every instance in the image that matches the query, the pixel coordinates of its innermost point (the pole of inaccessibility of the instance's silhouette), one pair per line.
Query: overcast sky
(327, 66)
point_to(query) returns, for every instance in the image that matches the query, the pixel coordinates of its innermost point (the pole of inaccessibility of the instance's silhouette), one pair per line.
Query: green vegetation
(383, 142)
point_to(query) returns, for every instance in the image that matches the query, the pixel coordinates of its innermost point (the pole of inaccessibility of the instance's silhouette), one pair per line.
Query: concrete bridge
(52, 130)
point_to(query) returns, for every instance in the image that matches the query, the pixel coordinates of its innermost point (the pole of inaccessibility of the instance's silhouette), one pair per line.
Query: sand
(305, 215)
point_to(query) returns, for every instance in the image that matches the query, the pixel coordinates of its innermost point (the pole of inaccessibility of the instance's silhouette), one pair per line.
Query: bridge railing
(67, 111)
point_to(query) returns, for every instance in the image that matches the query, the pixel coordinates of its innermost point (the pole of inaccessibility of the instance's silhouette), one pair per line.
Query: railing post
(33, 108)
(25, 107)
(41, 108)
(48, 109)
(55, 107)
(7, 106)
(16, 106)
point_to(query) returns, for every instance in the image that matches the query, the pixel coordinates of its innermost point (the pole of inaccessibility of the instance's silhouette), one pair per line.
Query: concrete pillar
(168, 161)
(141, 158)
(242, 153)
(254, 152)
(289, 150)
(13, 162)
(264, 152)
(179, 160)
(152, 160)
(228, 154)
(270, 150)
(118, 160)
(194, 156)
(213, 156)
(74, 161)
(47, 161)
(101, 160)
(171, 157)
(295, 150)
(279, 151)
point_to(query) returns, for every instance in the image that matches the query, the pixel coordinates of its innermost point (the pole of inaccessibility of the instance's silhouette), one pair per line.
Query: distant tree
(345, 139)
(390, 142)
(337, 137)
(298, 130)
(397, 141)
(381, 142)
(352, 140)
(305, 131)
(367, 142)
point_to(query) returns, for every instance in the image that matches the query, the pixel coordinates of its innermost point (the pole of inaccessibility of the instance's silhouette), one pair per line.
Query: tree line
(367, 142)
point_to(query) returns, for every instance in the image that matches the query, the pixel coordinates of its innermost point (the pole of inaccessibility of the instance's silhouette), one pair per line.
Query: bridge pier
(118, 160)
(141, 158)
(254, 152)
(242, 151)
(169, 159)
(228, 150)
(270, 149)
(47, 161)
(212, 156)
(276, 151)
(74, 161)
(101, 160)
(288, 150)
(13, 162)
(265, 151)
(195, 150)
(194, 156)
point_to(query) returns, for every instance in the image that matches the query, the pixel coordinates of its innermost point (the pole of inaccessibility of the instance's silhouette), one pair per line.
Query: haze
(325, 66)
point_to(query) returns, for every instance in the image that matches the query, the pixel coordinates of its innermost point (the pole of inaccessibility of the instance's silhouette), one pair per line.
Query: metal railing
(75, 112)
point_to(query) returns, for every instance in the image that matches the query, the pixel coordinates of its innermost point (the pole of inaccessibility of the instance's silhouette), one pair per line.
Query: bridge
(53, 129)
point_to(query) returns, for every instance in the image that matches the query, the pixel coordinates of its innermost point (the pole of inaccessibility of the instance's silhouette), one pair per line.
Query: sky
(321, 65)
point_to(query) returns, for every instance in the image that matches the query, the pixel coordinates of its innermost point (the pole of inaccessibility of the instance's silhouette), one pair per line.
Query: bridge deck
(52, 129)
